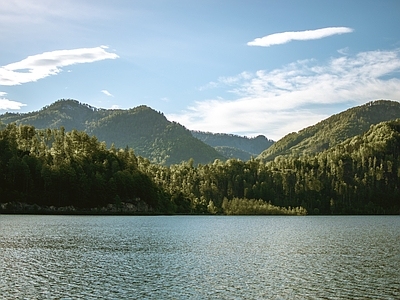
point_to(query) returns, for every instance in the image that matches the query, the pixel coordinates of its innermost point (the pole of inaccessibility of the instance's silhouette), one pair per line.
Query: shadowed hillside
(148, 132)
(234, 146)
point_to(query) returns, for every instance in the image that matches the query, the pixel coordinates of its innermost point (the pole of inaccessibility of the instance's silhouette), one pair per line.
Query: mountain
(234, 146)
(357, 176)
(145, 130)
(70, 114)
(334, 129)
(360, 175)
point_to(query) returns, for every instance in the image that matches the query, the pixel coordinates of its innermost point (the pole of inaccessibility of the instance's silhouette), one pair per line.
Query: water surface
(199, 257)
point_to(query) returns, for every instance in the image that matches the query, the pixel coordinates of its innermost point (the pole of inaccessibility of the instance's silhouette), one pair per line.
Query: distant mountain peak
(234, 146)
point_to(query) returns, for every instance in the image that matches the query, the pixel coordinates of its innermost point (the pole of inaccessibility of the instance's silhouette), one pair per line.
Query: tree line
(54, 167)
(359, 176)
(58, 168)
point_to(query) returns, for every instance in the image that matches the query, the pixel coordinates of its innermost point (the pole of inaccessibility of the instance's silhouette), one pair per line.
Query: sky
(245, 67)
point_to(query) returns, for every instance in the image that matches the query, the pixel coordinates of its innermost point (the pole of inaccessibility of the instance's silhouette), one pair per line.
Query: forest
(56, 168)
(141, 128)
(334, 130)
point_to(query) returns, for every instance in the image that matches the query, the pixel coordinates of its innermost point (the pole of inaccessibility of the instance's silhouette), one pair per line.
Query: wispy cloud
(27, 11)
(343, 51)
(107, 93)
(297, 95)
(42, 65)
(285, 37)
(232, 80)
(9, 104)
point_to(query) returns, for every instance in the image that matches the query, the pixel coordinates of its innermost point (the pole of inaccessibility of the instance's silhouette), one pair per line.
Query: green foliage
(334, 130)
(232, 152)
(238, 206)
(358, 176)
(148, 132)
(58, 168)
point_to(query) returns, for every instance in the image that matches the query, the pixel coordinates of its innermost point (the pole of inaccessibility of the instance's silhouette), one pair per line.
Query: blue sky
(242, 67)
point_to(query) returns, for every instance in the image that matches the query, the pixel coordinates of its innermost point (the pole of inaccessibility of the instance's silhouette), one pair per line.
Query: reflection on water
(199, 257)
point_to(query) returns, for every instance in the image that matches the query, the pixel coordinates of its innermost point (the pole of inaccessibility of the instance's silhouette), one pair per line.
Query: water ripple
(67, 257)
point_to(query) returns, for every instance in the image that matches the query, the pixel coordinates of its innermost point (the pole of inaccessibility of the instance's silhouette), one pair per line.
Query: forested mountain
(358, 176)
(152, 136)
(233, 152)
(148, 132)
(68, 170)
(234, 146)
(54, 171)
(70, 114)
(334, 130)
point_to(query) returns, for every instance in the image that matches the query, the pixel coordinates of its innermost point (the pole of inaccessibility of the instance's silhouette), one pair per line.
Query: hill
(334, 130)
(234, 146)
(70, 114)
(145, 130)
(71, 170)
(361, 175)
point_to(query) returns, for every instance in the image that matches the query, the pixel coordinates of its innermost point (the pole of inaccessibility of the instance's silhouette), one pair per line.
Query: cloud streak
(46, 11)
(285, 37)
(9, 104)
(40, 66)
(107, 93)
(297, 95)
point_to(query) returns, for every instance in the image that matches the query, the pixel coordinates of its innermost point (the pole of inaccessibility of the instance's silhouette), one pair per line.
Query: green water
(196, 257)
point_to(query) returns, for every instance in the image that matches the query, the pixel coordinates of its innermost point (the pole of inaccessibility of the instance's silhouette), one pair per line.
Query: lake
(199, 257)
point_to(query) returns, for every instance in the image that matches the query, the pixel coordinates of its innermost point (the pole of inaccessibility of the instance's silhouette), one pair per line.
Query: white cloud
(39, 66)
(107, 93)
(285, 37)
(115, 106)
(297, 95)
(343, 51)
(9, 104)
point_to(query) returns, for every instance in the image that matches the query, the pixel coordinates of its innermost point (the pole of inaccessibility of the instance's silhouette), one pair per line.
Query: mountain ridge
(152, 136)
(334, 129)
(234, 146)
(142, 128)
(360, 175)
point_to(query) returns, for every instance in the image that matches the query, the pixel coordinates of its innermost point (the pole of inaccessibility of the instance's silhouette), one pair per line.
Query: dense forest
(152, 136)
(58, 168)
(72, 171)
(358, 176)
(334, 130)
(142, 128)
(53, 167)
